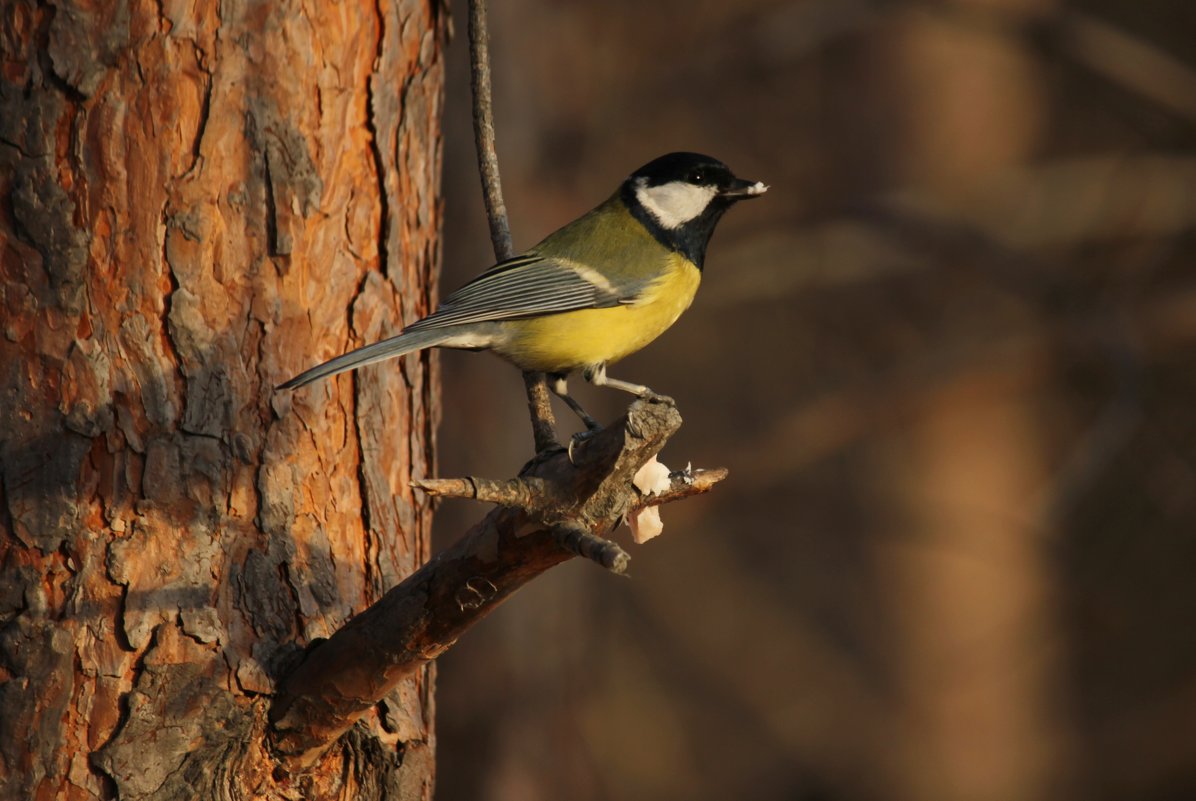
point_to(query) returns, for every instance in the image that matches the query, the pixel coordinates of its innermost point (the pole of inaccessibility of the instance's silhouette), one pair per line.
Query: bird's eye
(697, 177)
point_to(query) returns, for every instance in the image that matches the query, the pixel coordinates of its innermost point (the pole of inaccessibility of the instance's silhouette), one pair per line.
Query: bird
(592, 292)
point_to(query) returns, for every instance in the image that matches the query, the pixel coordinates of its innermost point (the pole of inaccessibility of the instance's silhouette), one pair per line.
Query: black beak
(740, 189)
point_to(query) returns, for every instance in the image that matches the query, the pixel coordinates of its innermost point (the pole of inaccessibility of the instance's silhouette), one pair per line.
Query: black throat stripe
(689, 240)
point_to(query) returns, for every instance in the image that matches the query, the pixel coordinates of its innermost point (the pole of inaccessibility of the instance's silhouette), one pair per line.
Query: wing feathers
(527, 286)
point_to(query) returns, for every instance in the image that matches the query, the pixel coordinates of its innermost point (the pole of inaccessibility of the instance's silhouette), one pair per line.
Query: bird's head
(681, 196)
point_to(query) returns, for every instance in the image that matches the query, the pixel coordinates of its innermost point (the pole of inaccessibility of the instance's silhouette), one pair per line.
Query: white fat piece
(675, 203)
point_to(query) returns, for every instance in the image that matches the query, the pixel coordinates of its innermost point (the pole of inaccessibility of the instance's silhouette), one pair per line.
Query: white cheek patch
(675, 203)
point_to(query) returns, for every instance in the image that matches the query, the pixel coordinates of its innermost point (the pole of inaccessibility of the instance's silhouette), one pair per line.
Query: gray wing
(528, 286)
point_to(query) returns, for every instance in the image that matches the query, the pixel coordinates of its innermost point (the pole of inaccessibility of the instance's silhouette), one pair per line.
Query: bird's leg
(597, 376)
(556, 382)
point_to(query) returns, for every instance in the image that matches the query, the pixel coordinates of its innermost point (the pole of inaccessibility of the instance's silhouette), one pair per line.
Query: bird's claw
(580, 436)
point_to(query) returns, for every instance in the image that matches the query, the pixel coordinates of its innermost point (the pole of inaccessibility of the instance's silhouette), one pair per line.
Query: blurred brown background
(949, 361)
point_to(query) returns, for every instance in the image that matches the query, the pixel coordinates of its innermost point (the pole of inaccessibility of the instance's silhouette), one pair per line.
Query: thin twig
(686, 485)
(539, 407)
(538, 401)
(531, 494)
(483, 131)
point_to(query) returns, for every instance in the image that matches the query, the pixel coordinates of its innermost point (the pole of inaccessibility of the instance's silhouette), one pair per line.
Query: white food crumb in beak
(758, 188)
(651, 479)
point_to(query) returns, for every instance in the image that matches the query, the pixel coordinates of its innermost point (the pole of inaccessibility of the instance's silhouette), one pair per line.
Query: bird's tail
(406, 342)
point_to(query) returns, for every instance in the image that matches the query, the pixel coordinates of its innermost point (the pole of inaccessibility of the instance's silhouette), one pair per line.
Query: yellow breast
(571, 340)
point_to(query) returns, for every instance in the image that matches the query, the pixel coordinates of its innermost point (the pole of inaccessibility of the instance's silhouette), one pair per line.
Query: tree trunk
(198, 201)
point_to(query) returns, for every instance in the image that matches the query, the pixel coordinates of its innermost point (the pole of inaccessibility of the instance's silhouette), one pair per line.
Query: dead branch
(557, 509)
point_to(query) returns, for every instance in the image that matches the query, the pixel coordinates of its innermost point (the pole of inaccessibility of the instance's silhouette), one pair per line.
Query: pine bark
(196, 202)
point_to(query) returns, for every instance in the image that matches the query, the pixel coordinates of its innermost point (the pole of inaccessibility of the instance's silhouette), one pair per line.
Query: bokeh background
(950, 360)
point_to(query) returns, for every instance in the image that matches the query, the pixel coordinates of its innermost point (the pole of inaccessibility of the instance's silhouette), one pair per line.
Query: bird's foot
(580, 437)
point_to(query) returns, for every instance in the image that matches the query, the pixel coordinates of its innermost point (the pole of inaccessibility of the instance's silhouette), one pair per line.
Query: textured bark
(196, 202)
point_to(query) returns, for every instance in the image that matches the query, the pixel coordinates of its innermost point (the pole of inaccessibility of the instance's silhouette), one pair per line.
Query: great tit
(596, 290)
